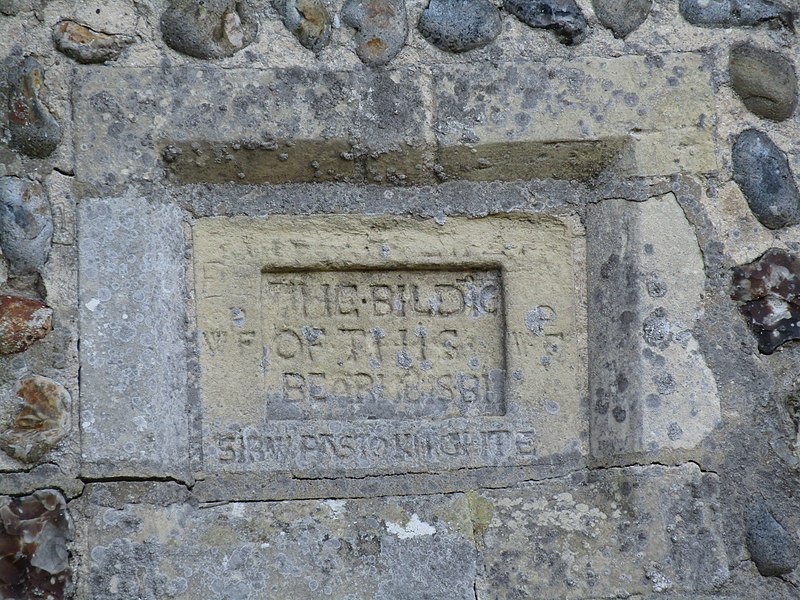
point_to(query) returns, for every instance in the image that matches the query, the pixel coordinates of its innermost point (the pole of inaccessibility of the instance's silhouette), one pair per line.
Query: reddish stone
(769, 289)
(381, 28)
(34, 560)
(34, 130)
(41, 421)
(22, 322)
(85, 45)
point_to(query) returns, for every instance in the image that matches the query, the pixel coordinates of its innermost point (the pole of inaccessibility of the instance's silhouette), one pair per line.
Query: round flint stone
(563, 17)
(308, 20)
(26, 224)
(381, 28)
(765, 81)
(762, 171)
(209, 29)
(460, 25)
(23, 321)
(622, 17)
(736, 13)
(86, 45)
(40, 422)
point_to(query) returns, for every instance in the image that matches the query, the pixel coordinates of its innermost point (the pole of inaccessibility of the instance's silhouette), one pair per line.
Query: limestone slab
(204, 123)
(412, 548)
(650, 387)
(660, 106)
(132, 318)
(606, 534)
(387, 344)
(644, 115)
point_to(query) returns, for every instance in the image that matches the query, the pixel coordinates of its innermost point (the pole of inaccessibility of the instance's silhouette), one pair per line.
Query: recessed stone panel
(387, 344)
(382, 344)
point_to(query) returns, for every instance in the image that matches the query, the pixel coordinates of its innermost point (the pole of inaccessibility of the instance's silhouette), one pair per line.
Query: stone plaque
(383, 344)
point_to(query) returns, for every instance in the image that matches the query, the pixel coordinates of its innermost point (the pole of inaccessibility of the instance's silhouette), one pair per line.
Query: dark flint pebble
(308, 20)
(736, 13)
(765, 81)
(460, 25)
(209, 29)
(564, 17)
(26, 224)
(622, 17)
(34, 130)
(772, 549)
(762, 171)
(381, 28)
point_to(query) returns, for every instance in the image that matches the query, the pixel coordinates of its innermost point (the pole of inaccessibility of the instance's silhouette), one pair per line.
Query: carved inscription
(250, 445)
(367, 344)
(338, 345)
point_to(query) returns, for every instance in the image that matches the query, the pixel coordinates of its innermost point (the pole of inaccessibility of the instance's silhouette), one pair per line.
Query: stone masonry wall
(387, 299)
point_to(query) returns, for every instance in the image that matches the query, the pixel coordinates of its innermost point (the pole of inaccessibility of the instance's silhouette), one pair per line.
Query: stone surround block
(644, 116)
(134, 415)
(389, 344)
(650, 387)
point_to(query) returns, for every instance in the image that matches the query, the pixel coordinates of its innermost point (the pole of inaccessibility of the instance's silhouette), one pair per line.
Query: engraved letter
(447, 339)
(451, 300)
(381, 300)
(289, 344)
(294, 386)
(469, 386)
(524, 441)
(347, 299)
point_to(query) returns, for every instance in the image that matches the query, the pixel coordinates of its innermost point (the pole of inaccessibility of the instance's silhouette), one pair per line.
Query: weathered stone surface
(23, 321)
(85, 45)
(381, 28)
(771, 548)
(133, 362)
(13, 7)
(39, 421)
(607, 534)
(563, 17)
(34, 558)
(250, 136)
(308, 20)
(736, 13)
(762, 171)
(33, 128)
(643, 116)
(622, 17)
(765, 81)
(387, 345)
(26, 224)
(412, 548)
(460, 25)
(769, 289)
(653, 122)
(209, 29)
(3, 268)
(650, 388)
